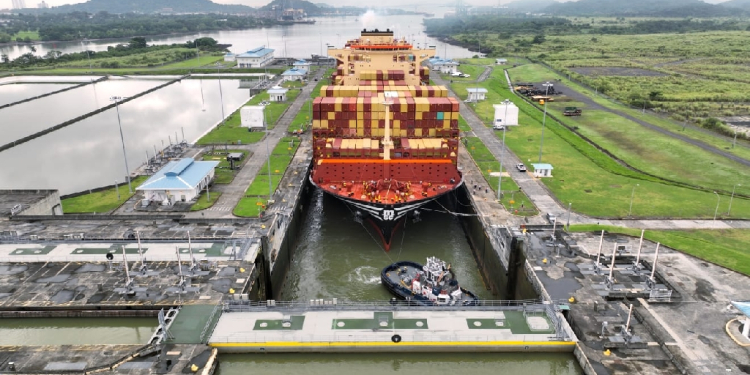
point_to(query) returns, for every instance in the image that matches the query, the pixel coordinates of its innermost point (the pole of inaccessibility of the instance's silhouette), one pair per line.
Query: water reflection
(17, 92)
(88, 154)
(76, 331)
(293, 40)
(28, 118)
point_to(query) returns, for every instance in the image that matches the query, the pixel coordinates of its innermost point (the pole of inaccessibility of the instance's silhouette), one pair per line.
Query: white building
(501, 61)
(19, 4)
(179, 181)
(277, 94)
(542, 170)
(230, 57)
(444, 66)
(476, 94)
(255, 58)
(251, 117)
(302, 64)
(294, 74)
(506, 113)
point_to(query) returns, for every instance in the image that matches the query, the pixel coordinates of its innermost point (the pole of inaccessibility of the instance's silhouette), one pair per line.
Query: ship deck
(387, 193)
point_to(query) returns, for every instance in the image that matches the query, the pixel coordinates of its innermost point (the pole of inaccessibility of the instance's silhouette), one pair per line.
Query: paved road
(232, 193)
(544, 199)
(591, 104)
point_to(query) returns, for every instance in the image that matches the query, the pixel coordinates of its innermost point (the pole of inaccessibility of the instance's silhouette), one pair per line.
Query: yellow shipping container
(433, 132)
(316, 124)
(352, 124)
(360, 105)
(331, 115)
(324, 124)
(397, 124)
(360, 115)
(418, 115)
(446, 124)
(338, 106)
(418, 132)
(360, 132)
(323, 90)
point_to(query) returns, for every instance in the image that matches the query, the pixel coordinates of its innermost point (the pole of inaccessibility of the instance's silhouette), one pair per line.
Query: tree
(655, 95)
(137, 42)
(539, 39)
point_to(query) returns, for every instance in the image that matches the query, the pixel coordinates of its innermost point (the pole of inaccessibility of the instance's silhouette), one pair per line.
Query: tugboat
(433, 284)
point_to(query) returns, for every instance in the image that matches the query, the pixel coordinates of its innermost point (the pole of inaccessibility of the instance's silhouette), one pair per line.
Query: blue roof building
(294, 74)
(542, 169)
(255, 58)
(179, 180)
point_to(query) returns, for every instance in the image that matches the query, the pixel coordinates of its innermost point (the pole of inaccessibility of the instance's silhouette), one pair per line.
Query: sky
(256, 3)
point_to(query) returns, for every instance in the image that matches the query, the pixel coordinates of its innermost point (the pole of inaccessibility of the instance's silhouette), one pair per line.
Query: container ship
(384, 141)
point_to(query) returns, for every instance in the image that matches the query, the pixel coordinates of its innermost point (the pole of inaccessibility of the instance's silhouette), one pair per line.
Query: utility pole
(544, 118)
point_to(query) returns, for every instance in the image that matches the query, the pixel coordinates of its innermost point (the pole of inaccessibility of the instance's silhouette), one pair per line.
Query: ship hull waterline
(386, 219)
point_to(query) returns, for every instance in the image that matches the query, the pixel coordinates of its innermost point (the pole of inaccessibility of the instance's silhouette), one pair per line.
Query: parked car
(498, 127)
(464, 75)
(521, 167)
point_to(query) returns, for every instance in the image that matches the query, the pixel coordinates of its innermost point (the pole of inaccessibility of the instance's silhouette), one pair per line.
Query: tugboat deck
(346, 330)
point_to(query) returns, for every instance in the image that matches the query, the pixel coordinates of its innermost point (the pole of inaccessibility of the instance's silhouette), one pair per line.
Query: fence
(393, 305)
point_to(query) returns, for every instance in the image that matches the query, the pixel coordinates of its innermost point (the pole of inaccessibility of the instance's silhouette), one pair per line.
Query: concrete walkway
(545, 201)
(232, 193)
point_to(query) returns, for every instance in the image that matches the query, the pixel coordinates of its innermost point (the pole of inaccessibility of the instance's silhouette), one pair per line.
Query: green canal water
(340, 258)
(76, 331)
(388, 363)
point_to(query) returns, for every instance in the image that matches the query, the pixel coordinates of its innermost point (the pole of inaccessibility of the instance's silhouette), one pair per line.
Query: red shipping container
(454, 124)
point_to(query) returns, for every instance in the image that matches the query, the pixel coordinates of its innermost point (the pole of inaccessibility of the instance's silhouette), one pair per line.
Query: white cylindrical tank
(500, 114)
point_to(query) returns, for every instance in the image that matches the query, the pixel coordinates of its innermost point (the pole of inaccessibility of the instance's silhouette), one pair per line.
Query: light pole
(118, 191)
(632, 195)
(502, 152)
(221, 97)
(567, 225)
(732, 198)
(718, 199)
(544, 119)
(117, 99)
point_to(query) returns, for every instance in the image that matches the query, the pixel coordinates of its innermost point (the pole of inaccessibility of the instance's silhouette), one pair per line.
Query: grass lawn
(32, 35)
(463, 125)
(539, 73)
(292, 84)
(256, 195)
(595, 184)
(232, 131)
(472, 70)
(513, 199)
(101, 201)
(302, 118)
(203, 203)
(196, 62)
(223, 174)
(724, 247)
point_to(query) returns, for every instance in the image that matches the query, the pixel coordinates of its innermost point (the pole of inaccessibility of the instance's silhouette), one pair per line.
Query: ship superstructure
(384, 140)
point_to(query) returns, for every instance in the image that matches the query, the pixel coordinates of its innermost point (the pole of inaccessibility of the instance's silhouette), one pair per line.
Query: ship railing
(526, 306)
(407, 336)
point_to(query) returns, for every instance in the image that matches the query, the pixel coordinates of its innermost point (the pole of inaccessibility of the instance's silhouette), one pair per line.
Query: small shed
(501, 61)
(506, 113)
(294, 74)
(251, 117)
(234, 156)
(277, 94)
(476, 94)
(542, 170)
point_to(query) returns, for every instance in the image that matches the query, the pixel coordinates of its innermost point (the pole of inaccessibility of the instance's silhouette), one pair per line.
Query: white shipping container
(252, 116)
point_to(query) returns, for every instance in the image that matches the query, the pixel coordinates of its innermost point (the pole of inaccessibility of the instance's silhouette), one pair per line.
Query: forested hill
(640, 8)
(148, 6)
(309, 8)
(530, 6)
(742, 4)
